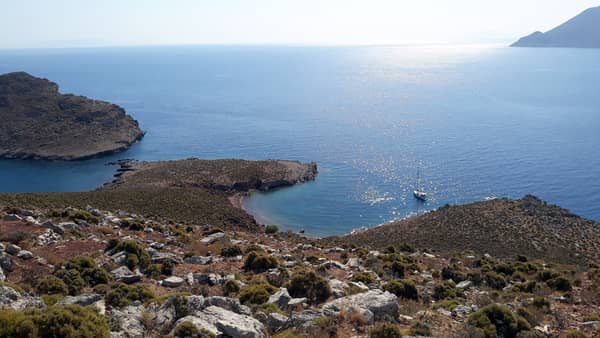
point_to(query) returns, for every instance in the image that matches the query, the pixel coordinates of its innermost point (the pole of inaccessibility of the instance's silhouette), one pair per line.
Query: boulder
(172, 282)
(303, 319)
(2, 247)
(6, 261)
(12, 218)
(223, 322)
(381, 304)
(338, 288)
(54, 227)
(163, 257)
(10, 298)
(13, 249)
(230, 304)
(464, 284)
(83, 300)
(128, 322)
(24, 254)
(276, 321)
(124, 275)
(212, 238)
(2, 276)
(295, 302)
(199, 260)
(280, 298)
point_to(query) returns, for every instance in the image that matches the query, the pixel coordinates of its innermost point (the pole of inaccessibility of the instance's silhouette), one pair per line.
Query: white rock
(24, 254)
(381, 304)
(172, 282)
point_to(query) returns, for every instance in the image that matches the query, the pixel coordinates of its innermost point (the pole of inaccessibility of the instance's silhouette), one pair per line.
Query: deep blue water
(477, 121)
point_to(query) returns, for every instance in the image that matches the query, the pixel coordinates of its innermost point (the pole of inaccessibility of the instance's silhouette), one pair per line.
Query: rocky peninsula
(161, 251)
(40, 123)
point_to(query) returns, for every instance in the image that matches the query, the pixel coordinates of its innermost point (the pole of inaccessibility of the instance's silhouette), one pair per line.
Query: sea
(474, 122)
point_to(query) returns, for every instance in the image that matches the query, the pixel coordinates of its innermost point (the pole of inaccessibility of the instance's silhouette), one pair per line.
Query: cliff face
(40, 123)
(582, 31)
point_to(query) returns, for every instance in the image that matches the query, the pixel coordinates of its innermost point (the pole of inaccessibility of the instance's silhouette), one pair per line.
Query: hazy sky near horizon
(78, 23)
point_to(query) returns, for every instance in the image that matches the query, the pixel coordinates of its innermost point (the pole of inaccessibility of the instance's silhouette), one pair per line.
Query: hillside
(188, 191)
(40, 123)
(500, 227)
(582, 31)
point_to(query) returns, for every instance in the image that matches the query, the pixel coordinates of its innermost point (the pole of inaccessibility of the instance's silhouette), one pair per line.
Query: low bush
(52, 285)
(306, 283)
(271, 229)
(88, 270)
(403, 289)
(419, 329)
(386, 330)
(446, 290)
(495, 280)
(453, 272)
(231, 287)
(187, 330)
(364, 277)
(67, 321)
(72, 279)
(259, 262)
(559, 283)
(231, 251)
(119, 295)
(256, 294)
(496, 320)
(546, 275)
(132, 248)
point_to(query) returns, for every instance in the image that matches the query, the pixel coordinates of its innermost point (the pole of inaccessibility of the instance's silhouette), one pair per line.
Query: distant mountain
(582, 31)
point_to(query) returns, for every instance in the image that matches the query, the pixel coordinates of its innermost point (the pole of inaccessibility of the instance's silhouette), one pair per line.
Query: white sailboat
(419, 193)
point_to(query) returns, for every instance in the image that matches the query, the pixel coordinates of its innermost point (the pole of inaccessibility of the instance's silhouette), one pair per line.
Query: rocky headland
(161, 251)
(582, 31)
(40, 123)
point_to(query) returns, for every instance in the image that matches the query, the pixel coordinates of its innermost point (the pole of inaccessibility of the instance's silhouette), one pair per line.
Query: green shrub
(52, 285)
(306, 283)
(230, 287)
(84, 216)
(545, 275)
(271, 229)
(528, 287)
(132, 224)
(452, 272)
(153, 271)
(231, 251)
(575, 334)
(495, 280)
(504, 269)
(259, 262)
(559, 283)
(120, 294)
(131, 247)
(72, 279)
(256, 294)
(186, 330)
(386, 330)
(419, 329)
(496, 320)
(446, 290)
(88, 270)
(69, 321)
(364, 277)
(403, 289)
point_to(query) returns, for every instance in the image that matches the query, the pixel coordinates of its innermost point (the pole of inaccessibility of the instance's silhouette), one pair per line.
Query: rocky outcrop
(371, 305)
(223, 322)
(40, 123)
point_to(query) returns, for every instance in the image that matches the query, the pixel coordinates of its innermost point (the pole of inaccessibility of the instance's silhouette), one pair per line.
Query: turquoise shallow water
(478, 122)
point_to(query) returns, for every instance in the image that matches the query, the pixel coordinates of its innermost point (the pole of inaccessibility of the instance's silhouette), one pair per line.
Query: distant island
(582, 31)
(40, 123)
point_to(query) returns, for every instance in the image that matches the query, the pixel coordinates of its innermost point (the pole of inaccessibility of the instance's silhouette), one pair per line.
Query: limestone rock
(280, 298)
(381, 304)
(123, 274)
(172, 282)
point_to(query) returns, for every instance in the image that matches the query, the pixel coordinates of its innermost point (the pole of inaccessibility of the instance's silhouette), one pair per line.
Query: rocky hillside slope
(500, 227)
(40, 123)
(582, 31)
(86, 272)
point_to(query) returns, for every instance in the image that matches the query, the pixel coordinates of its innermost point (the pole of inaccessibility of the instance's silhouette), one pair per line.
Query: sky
(81, 23)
